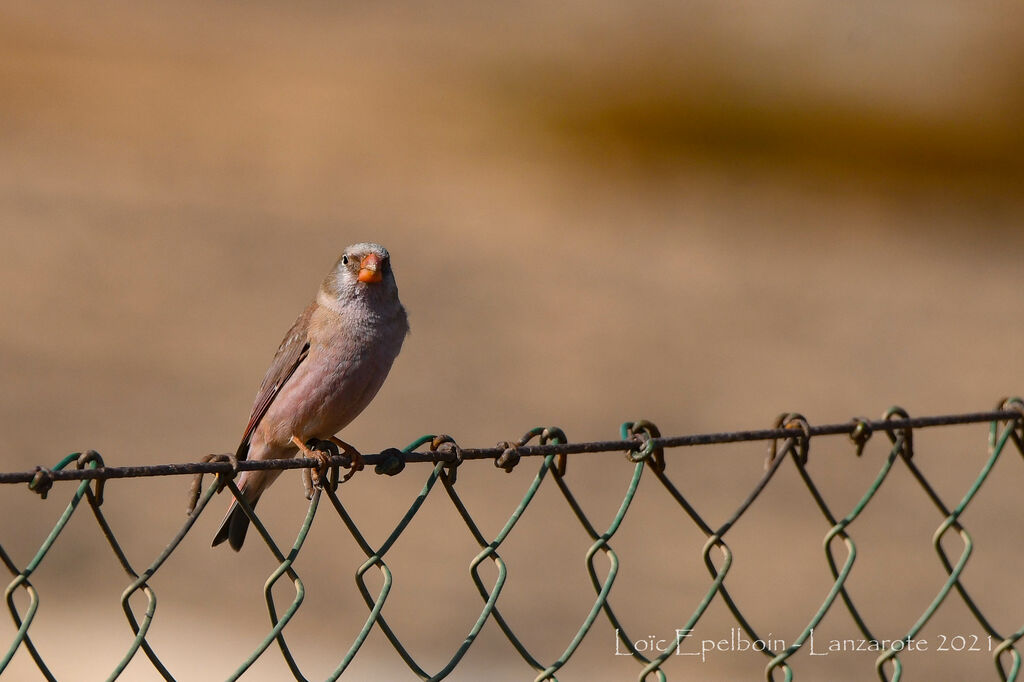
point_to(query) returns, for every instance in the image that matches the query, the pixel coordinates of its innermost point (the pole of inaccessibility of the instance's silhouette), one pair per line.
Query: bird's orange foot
(354, 455)
(314, 477)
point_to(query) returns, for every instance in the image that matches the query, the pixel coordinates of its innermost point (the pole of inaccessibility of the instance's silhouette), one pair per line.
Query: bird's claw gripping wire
(322, 452)
(355, 457)
(326, 472)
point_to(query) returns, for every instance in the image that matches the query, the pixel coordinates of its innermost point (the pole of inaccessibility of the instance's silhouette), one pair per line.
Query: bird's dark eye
(344, 260)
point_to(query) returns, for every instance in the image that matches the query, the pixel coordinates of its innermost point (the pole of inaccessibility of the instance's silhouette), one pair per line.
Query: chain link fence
(790, 440)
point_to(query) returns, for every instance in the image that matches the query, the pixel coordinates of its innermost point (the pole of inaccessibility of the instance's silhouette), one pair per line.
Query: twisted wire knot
(223, 478)
(392, 464)
(41, 482)
(554, 433)
(509, 457)
(88, 457)
(897, 412)
(861, 433)
(643, 432)
(794, 421)
(449, 452)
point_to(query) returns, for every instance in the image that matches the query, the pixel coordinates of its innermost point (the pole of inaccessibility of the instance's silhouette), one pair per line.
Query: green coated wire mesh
(790, 440)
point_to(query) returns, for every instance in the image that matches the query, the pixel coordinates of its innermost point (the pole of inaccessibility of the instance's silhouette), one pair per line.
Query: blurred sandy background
(697, 213)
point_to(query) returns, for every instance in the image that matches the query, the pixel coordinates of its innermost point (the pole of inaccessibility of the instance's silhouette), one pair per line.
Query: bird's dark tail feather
(235, 525)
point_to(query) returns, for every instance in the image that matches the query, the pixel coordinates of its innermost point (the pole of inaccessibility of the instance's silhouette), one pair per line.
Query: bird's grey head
(363, 271)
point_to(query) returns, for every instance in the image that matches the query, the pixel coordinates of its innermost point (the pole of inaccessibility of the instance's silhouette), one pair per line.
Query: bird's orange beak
(370, 268)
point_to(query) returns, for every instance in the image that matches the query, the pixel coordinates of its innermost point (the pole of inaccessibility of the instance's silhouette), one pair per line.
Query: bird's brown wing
(290, 354)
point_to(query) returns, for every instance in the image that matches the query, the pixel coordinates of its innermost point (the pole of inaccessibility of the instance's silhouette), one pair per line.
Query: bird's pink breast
(329, 389)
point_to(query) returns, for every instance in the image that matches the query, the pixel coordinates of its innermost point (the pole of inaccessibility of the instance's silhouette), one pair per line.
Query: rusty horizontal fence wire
(790, 439)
